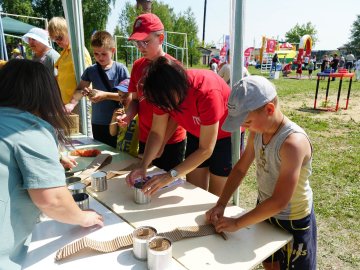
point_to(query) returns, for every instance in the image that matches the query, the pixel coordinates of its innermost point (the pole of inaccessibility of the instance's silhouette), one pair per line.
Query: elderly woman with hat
(38, 40)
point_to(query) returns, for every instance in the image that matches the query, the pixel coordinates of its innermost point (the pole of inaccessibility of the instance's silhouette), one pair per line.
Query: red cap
(144, 25)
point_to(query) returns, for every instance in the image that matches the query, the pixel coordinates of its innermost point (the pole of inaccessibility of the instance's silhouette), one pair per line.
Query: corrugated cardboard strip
(123, 242)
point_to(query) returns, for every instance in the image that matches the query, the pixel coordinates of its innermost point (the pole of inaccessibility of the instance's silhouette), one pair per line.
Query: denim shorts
(299, 254)
(220, 161)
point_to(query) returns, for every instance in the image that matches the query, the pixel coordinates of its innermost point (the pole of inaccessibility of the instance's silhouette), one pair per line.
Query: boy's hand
(225, 224)
(215, 213)
(123, 120)
(88, 92)
(69, 107)
(97, 96)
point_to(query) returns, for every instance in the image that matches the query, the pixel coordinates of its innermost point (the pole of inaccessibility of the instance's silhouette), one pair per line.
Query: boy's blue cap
(123, 86)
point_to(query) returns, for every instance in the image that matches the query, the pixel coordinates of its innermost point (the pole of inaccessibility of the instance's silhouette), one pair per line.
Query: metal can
(72, 179)
(82, 200)
(139, 196)
(141, 237)
(159, 253)
(98, 181)
(77, 188)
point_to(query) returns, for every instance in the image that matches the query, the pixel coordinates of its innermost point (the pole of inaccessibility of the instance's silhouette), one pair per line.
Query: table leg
(338, 96)
(327, 91)
(316, 91)
(348, 94)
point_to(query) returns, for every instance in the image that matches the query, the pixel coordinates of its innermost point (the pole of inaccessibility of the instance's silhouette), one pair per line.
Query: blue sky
(273, 18)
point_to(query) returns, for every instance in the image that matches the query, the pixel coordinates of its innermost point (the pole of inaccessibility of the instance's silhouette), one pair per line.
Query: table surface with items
(180, 205)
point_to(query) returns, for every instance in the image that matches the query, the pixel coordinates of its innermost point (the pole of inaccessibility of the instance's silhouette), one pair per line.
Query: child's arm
(131, 110)
(98, 95)
(114, 128)
(76, 96)
(295, 151)
(235, 178)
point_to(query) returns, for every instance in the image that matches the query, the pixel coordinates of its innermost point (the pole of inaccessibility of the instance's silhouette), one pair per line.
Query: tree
(22, 7)
(294, 34)
(95, 12)
(354, 43)
(48, 8)
(184, 23)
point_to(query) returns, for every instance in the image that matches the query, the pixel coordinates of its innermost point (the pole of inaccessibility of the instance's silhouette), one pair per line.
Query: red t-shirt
(205, 103)
(145, 108)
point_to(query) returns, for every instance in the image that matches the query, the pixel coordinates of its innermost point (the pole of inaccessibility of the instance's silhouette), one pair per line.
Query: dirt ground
(351, 114)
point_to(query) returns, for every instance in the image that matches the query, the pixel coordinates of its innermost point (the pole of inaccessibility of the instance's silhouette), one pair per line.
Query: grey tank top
(267, 173)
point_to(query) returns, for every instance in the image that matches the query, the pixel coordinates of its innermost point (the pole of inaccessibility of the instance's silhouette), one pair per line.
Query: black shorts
(172, 156)
(301, 252)
(101, 133)
(220, 161)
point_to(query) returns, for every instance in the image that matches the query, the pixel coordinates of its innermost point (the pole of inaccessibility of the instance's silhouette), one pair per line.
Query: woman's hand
(68, 162)
(137, 173)
(157, 182)
(92, 218)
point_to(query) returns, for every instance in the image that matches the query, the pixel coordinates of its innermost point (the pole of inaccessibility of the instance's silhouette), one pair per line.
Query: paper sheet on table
(177, 182)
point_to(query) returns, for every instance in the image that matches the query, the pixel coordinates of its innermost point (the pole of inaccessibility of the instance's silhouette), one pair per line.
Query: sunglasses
(140, 43)
(58, 38)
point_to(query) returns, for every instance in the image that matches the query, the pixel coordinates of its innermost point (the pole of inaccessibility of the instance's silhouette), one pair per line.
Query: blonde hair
(57, 27)
(102, 39)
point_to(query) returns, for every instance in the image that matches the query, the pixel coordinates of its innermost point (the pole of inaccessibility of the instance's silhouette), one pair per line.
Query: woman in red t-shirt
(197, 101)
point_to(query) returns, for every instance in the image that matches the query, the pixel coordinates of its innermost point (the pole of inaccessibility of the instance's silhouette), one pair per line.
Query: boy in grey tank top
(282, 153)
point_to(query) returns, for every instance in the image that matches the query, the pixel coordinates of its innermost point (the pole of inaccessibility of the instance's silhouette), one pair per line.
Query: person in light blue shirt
(32, 180)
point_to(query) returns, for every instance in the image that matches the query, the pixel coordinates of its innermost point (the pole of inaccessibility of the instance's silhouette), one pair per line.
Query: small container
(141, 237)
(82, 200)
(98, 181)
(72, 179)
(159, 253)
(139, 196)
(77, 188)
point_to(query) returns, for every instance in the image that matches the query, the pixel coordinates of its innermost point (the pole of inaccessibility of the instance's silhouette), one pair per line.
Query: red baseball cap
(144, 25)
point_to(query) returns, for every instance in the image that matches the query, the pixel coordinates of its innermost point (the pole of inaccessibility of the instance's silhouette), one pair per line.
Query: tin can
(139, 196)
(72, 179)
(98, 181)
(77, 188)
(82, 200)
(159, 253)
(141, 237)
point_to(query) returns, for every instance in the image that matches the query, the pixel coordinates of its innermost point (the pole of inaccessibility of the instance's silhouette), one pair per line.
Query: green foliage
(294, 34)
(48, 8)
(95, 12)
(22, 7)
(354, 44)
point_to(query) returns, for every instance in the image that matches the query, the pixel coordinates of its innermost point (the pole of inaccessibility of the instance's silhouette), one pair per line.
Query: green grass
(336, 168)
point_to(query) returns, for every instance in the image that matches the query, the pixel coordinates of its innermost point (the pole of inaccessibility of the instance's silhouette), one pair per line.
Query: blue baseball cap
(123, 86)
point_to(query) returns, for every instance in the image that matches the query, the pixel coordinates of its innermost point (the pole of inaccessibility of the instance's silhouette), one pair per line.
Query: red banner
(271, 46)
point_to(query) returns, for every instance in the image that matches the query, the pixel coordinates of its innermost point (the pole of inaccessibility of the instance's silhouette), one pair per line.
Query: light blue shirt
(29, 159)
(102, 111)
